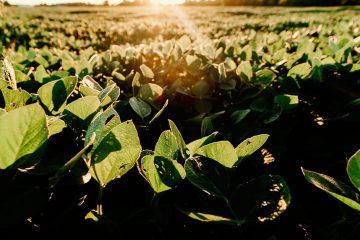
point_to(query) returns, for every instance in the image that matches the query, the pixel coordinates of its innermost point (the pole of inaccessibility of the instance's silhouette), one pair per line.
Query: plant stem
(99, 201)
(232, 212)
(69, 164)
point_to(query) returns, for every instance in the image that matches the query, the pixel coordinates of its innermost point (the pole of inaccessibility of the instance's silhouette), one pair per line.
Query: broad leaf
(262, 199)
(146, 71)
(207, 123)
(205, 217)
(13, 98)
(150, 93)
(353, 169)
(300, 71)
(286, 101)
(200, 88)
(81, 111)
(53, 95)
(116, 154)
(91, 83)
(109, 94)
(162, 173)
(245, 71)
(193, 64)
(208, 176)
(222, 152)
(41, 76)
(142, 108)
(265, 76)
(239, 115)
(335, 188)
(179, 138)
(23, 135)
(250, 145)
(167, 146)
(101, 126)
(184, 42)
(55, 125)
(158, 114)
(87, 91)
(195, 145)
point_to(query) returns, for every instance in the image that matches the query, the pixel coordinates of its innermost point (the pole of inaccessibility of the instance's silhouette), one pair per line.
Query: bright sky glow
(36, 2)
(167, 2)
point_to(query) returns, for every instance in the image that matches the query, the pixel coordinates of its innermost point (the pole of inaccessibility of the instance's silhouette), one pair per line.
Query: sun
(167, 2)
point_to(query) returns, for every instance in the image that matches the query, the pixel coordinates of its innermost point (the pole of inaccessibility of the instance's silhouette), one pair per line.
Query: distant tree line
(223, 2)
(276, 2)
(255, 2)
(292, 2)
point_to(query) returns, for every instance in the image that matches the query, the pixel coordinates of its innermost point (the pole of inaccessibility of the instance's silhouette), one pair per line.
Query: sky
(35, 2)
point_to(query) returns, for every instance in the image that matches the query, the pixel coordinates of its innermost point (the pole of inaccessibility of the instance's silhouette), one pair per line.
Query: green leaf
(21, 77)
(162, 173)
(167, 146)
(116, 154)
(101, 126)
(83, 68)
(59, 74)
(158, 114)
(222, 72)
(317, 69)
(229, 64)
(193, 64)
(141, 108)
(87, 91)
(93, 215)
(355, 67)
(195, 145)
(267, 197)
(135, 84)
(206, 124)
(13, 98)
(151, 175)
(286, 101)
(222, 152)
(184, 42)
(250, 146)
(335, 188)
(301, 71)
(53, 95)
(179, 138)
(151, 93)
(109, 94)
(265, 76)
(41, 61)
(207, 175)
(55, 125)
(353, 169)
(205, 217)
(245, 71)
(41, 76)
(91, 83)
(24, 134)
(146, 71)
(228, 84)
(239, 115)
(200, 88)
(82, 110)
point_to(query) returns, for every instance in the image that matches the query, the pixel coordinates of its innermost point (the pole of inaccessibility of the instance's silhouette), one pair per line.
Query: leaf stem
(232, 212)
(99, 207)
(70, 164)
